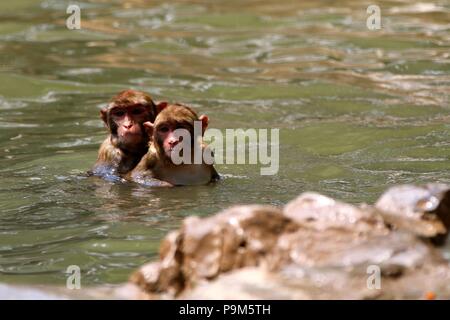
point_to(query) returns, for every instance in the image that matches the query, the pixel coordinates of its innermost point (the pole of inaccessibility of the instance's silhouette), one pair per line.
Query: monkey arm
(151, 158)
(214, 175)
(108, 160)
(108, 153)
(143, 173)
(152, 182)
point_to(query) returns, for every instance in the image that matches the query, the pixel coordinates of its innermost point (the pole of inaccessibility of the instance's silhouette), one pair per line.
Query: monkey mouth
(130, 134)
(170, 152)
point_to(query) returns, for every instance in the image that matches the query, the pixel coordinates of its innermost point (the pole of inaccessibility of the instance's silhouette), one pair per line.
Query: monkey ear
(160, 106)
(104, 115)
(148, 126)
(205, 120)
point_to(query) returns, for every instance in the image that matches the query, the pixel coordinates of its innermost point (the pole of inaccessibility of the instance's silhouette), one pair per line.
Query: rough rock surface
(313, 248)
(423, 210)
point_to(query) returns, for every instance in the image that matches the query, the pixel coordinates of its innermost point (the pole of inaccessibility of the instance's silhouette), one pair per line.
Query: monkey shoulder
(109, 153)
(144, 173)
(145, 166)
(151, 158)
(108, 160)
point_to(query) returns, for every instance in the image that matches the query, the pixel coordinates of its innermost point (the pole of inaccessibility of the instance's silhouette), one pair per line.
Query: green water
(358, 110)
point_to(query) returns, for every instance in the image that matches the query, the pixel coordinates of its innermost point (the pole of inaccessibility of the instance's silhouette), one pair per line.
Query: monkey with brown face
(173, 139)
(127, 141)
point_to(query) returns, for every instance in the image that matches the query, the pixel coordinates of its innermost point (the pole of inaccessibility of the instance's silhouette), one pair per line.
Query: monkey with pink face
(157, 167)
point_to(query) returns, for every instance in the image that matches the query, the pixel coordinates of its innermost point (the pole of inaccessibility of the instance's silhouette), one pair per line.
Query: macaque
(168, 141)
(127, 141)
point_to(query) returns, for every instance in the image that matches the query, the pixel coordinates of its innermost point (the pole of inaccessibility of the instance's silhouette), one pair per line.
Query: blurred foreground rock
(313, 248)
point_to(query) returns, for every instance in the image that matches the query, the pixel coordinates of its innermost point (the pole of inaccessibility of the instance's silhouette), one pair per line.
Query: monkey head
(164, 130)
(124, 117)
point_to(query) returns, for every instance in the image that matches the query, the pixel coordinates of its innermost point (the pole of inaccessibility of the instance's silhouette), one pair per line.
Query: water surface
(358, 110)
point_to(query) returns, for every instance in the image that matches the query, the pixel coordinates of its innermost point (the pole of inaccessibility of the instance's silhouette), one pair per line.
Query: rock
(423, 210)
(321, 213)
(409, 269)
(204, 248)
(163, 276)
(126, 291)
(10, 292)
(301, 283)
(314, 248)
(245, 284)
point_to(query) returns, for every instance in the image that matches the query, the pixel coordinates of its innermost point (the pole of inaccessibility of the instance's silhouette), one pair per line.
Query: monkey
(157, 167)
(127, 141)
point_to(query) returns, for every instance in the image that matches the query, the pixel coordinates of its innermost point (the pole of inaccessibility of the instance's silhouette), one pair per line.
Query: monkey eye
(119, 113)
(163, 129)
(137, 111)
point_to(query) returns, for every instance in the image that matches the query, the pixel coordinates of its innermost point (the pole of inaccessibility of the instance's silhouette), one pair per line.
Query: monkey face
(127, 122)
(173, 130)
(170, 135)
(125, 116)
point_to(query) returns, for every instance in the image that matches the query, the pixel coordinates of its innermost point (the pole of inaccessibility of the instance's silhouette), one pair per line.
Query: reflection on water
(357, 110)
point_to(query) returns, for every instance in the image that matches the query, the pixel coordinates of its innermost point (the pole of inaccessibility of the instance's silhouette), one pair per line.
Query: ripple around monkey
(127, 141)
(174, 130)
